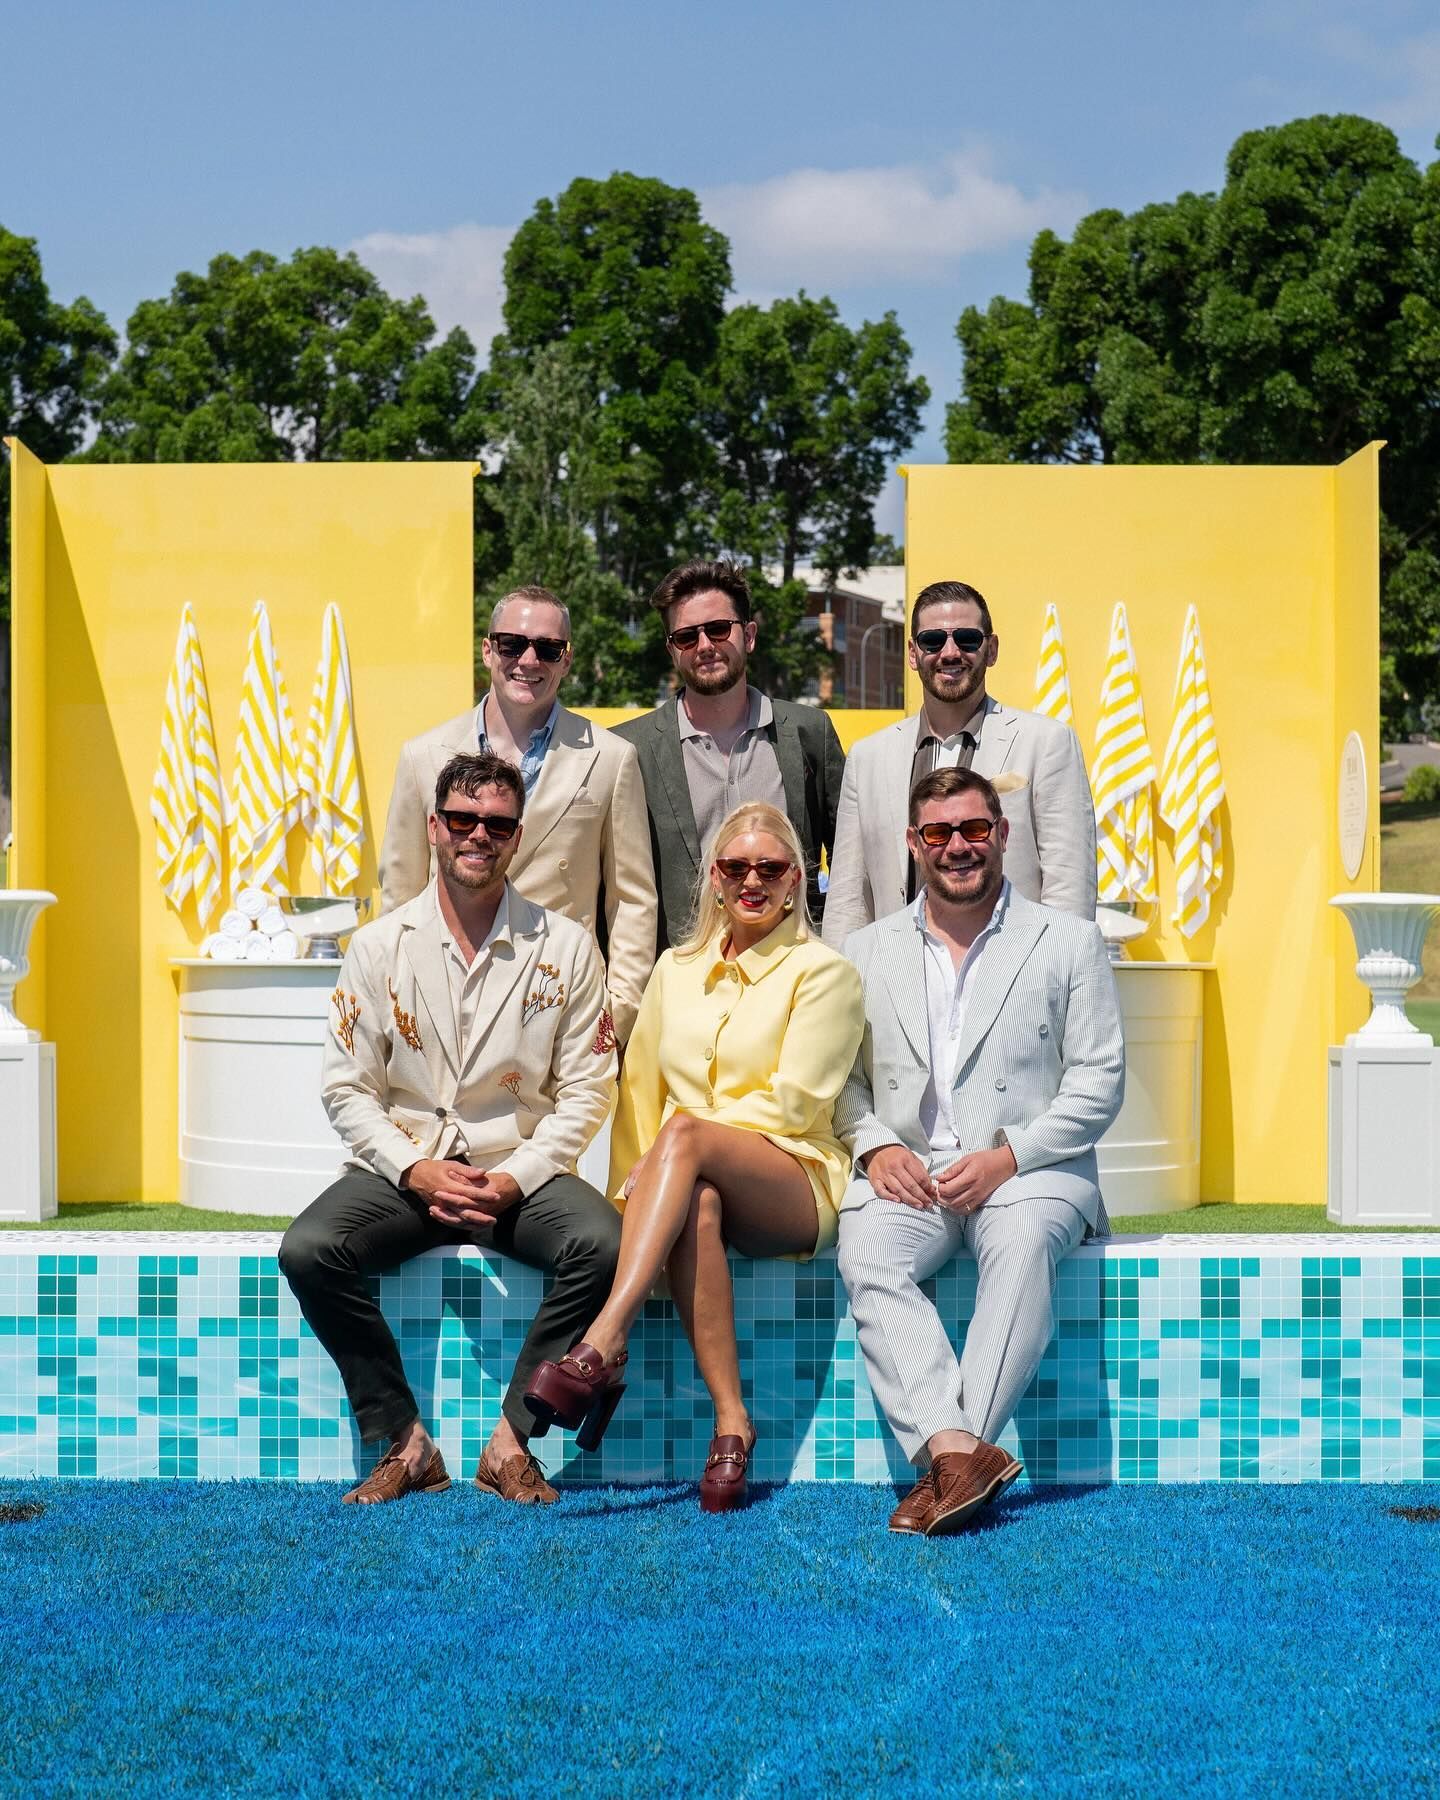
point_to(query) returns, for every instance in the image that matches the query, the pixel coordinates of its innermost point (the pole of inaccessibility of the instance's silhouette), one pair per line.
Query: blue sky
(893, 157)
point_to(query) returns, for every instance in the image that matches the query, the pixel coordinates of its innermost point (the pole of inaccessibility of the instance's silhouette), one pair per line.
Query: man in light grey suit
(1036, 764)
(993, 1061)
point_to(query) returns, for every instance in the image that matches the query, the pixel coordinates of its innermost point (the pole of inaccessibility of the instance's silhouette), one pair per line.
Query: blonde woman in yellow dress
(723, 1136)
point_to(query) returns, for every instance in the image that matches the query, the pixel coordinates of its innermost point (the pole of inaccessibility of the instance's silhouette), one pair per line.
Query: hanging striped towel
(265, 800)
(330, 766)
(1192, 786)
(1122, 777)
(1052, 677)
(187, 801)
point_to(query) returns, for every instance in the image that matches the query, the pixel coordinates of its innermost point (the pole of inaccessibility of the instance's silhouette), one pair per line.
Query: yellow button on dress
(763, 1043)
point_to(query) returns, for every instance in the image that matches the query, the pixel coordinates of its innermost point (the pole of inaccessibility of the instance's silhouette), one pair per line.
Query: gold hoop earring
(789, 903)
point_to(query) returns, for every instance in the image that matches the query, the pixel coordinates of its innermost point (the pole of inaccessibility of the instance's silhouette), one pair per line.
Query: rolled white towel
(220, 948)
(252, 901)
(272, 921)
(283, 946)
(257, 948)
(235, 924)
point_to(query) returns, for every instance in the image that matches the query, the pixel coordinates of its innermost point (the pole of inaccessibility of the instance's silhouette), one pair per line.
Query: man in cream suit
(1035, 763)
(993, 1061)
(587, 837)
(470, 1060)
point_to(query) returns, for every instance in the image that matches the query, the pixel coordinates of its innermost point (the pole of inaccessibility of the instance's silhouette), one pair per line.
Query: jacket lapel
(1000, 962)
(903, 743)
(790, 754)
(904, 963)
(669, 758)
(567, 762)
(427, 961)
(998, 731)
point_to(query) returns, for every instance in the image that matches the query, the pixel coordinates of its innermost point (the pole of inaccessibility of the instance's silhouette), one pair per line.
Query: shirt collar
(972, 725)
(759, 715)
(501, 930)
(760, 959)
(539, 737)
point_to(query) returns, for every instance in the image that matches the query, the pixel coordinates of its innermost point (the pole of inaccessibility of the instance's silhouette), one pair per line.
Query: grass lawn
(1410, 864)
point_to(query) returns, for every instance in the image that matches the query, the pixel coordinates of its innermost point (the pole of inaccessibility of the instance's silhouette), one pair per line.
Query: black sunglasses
(770, 869)
(515, 643)
(688, 636)
(932, 639)
(499, 827)
(937, 834)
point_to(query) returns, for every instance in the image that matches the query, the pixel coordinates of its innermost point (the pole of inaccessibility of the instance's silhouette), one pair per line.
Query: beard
(462, 875)
(718, 680)
(961, 887)
(950, 687)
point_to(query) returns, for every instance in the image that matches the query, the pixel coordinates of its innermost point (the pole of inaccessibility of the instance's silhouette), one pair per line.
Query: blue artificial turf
(255, 1638)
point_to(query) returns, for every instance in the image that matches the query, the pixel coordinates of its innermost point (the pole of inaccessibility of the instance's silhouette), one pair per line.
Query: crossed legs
(704, 1186)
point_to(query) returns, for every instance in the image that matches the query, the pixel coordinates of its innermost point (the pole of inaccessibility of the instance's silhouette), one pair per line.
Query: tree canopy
(1290, 318)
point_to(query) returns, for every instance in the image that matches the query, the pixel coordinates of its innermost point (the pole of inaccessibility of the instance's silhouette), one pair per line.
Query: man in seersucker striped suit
(993, 1062)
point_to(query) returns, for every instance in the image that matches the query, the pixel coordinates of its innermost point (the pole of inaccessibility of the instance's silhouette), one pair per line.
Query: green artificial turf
(1221, 1215)
(133, 1215)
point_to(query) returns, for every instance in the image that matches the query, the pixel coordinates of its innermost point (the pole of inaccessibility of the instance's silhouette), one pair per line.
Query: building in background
(861, 620)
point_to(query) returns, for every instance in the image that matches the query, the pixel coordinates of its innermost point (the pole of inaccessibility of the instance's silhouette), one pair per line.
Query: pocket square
(1009, 784)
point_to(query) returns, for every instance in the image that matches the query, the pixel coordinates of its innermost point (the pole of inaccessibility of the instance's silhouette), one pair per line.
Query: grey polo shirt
(719, 783)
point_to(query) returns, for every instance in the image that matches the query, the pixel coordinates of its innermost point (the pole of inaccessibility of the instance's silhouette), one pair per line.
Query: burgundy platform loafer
(582, 1390)
(966, 1481)
(725, 1486)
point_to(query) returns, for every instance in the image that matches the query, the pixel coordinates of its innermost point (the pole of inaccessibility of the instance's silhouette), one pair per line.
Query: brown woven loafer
(965, 1482)
(391, 1480)
(915, 1511)
(519, 1478)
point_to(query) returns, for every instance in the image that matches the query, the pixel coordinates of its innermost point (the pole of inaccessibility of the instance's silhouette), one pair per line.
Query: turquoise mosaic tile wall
(1175, 1359)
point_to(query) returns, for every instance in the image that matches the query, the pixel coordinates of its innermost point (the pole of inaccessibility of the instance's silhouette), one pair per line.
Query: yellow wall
(26, 866)
(1282, 564)
(95, 617)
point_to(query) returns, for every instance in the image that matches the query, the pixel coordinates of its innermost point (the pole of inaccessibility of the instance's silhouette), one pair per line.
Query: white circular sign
(1354, 805)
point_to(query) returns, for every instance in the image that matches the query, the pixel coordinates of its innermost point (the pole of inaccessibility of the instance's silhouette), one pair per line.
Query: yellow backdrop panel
(97, 598)
(1282, 564)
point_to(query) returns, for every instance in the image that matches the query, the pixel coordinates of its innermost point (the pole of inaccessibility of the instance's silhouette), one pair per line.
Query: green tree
(551, 486)
(53, 359)
(807, 415)
(626, 272)
(260, 360)
(1290, 318)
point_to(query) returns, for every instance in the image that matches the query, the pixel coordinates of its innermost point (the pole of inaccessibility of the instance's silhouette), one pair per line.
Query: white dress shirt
(467, 980)
(947, 991)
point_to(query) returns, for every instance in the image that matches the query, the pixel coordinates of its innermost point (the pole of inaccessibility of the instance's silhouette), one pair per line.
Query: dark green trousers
(364, 1225)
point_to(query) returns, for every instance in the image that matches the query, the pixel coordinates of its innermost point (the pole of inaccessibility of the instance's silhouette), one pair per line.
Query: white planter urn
(1390, 932)
(19, 909)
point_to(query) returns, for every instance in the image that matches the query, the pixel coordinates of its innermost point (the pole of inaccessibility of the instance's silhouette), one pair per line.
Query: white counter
(254, 1136)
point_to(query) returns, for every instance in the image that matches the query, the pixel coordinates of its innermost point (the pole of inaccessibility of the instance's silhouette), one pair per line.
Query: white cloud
(858, 227)
(1408, 68)
(460, 272)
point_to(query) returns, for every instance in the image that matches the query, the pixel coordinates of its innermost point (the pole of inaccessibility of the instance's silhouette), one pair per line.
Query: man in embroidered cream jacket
(585, 851)
(470, 1060)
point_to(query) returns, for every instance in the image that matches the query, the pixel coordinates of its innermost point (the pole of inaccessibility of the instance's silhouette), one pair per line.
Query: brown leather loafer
(519, 1478)
(965, 1482)
(725, 1486)
(391, 1480)
(915, 1511)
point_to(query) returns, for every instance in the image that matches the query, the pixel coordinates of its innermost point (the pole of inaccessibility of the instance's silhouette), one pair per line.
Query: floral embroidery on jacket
(604, 1035)
(404, 1021)
(347, 1011)
(512, 1082)
(549, 990)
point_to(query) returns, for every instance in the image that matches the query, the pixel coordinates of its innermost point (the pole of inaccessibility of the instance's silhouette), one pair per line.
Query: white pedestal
(1150, 1157)
(1384, 1133)
(254, 1137)
(27, 1128)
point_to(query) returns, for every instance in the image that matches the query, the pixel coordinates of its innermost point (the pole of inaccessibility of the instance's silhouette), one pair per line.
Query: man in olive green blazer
(721, 742)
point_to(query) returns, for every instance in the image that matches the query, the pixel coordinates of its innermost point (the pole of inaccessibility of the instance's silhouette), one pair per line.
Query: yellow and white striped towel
(1192, 786)
(330, 765)
(1052, 677)
(187, 801)
(1122, 777)
(265, 791)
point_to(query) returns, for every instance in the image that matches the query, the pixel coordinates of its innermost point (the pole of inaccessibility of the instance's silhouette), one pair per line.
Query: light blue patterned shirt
(535, 750)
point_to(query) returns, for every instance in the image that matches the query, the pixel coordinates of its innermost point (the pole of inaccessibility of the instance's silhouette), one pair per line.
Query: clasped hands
(456, 1195)
(899, 1174)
